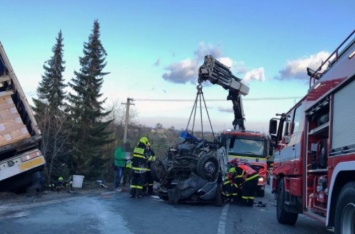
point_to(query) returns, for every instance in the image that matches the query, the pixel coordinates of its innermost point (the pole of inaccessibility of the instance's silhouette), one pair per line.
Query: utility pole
(126, 175)
(128, 103)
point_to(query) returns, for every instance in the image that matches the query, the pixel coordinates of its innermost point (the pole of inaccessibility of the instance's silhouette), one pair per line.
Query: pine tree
(48, 109)
(88, 117)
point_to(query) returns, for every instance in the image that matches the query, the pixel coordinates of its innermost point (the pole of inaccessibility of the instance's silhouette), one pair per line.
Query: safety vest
(139, 166)
(138, 153)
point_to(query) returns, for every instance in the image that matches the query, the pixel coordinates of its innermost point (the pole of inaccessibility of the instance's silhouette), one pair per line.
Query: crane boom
(217, 73)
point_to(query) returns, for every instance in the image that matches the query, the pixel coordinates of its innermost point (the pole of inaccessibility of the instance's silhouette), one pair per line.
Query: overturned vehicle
(192, 171)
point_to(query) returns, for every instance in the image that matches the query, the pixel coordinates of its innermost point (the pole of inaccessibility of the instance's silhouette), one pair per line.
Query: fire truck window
(296, 120)
(287, 124)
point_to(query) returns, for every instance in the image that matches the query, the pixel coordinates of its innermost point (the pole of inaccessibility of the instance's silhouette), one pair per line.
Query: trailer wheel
(345, 210)
(283, 216)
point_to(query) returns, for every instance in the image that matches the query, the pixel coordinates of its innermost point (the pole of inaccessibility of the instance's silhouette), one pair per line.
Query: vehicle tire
(208, 166)
(283, 216)
(345, 210)
(158, 170)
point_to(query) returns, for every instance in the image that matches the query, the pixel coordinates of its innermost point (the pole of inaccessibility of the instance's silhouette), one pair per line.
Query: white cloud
(297, 69)
(186, 71)
(256, 74)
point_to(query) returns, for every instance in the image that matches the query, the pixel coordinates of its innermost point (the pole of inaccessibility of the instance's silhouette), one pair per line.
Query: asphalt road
(109, 212)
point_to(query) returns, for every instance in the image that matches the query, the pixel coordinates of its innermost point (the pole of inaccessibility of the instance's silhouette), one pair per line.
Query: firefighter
(139, 167)
(148, 189)
(230, 189)
(247, 179)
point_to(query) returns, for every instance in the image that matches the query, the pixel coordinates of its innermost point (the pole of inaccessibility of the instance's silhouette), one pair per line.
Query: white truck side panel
(343, 127)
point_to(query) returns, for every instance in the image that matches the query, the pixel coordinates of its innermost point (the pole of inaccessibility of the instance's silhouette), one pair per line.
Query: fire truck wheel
(345, 210)
(284, 216)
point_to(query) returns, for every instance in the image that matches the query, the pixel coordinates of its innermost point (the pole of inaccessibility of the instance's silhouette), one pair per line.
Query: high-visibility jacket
(139, 159)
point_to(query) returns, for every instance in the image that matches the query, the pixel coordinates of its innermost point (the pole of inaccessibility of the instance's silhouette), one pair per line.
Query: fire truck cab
(251, 147)
(314, 147)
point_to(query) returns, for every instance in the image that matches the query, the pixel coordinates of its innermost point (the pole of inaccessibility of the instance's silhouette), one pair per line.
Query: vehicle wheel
(345, 210)
(260, 192)
(158, 170)
(208, 166)
(284, 216)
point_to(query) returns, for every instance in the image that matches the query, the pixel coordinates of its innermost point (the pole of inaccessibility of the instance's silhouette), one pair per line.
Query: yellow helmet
(144, 140)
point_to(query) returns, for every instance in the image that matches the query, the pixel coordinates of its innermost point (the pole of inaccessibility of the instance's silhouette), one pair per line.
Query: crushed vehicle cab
(193, 170)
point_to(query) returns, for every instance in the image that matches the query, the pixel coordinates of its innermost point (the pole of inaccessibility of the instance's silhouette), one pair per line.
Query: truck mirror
(272, 126)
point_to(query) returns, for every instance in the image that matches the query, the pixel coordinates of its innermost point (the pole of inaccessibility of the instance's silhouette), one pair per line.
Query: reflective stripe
(240, 176)
(139, 169)
(248, 197)
(252, 177)
(138, 156)
(151, 158)
(138, 151)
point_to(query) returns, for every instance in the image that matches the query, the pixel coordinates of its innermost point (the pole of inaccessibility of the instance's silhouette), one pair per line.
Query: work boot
(133, 193)
(139, 193)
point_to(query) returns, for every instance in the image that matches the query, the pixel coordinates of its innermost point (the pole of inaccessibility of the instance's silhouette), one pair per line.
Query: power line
(215, 100)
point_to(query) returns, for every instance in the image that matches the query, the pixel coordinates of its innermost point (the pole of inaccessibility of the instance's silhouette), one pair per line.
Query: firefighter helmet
(144, 140)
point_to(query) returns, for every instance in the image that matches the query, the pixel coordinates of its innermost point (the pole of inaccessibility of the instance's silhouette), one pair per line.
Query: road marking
(222, 220)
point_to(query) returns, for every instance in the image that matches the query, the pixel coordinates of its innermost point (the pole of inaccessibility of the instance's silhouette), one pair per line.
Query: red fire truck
(314, 164)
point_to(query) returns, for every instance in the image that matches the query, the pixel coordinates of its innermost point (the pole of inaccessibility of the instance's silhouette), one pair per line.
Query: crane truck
(249, 146)
(314, 164)
(20, 137)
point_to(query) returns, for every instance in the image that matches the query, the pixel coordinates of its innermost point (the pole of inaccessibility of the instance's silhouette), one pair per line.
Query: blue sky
(155, 48)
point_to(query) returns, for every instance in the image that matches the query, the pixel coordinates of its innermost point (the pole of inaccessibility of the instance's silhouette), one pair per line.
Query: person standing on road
(119, 165)
(149, 179)
(139, 167)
